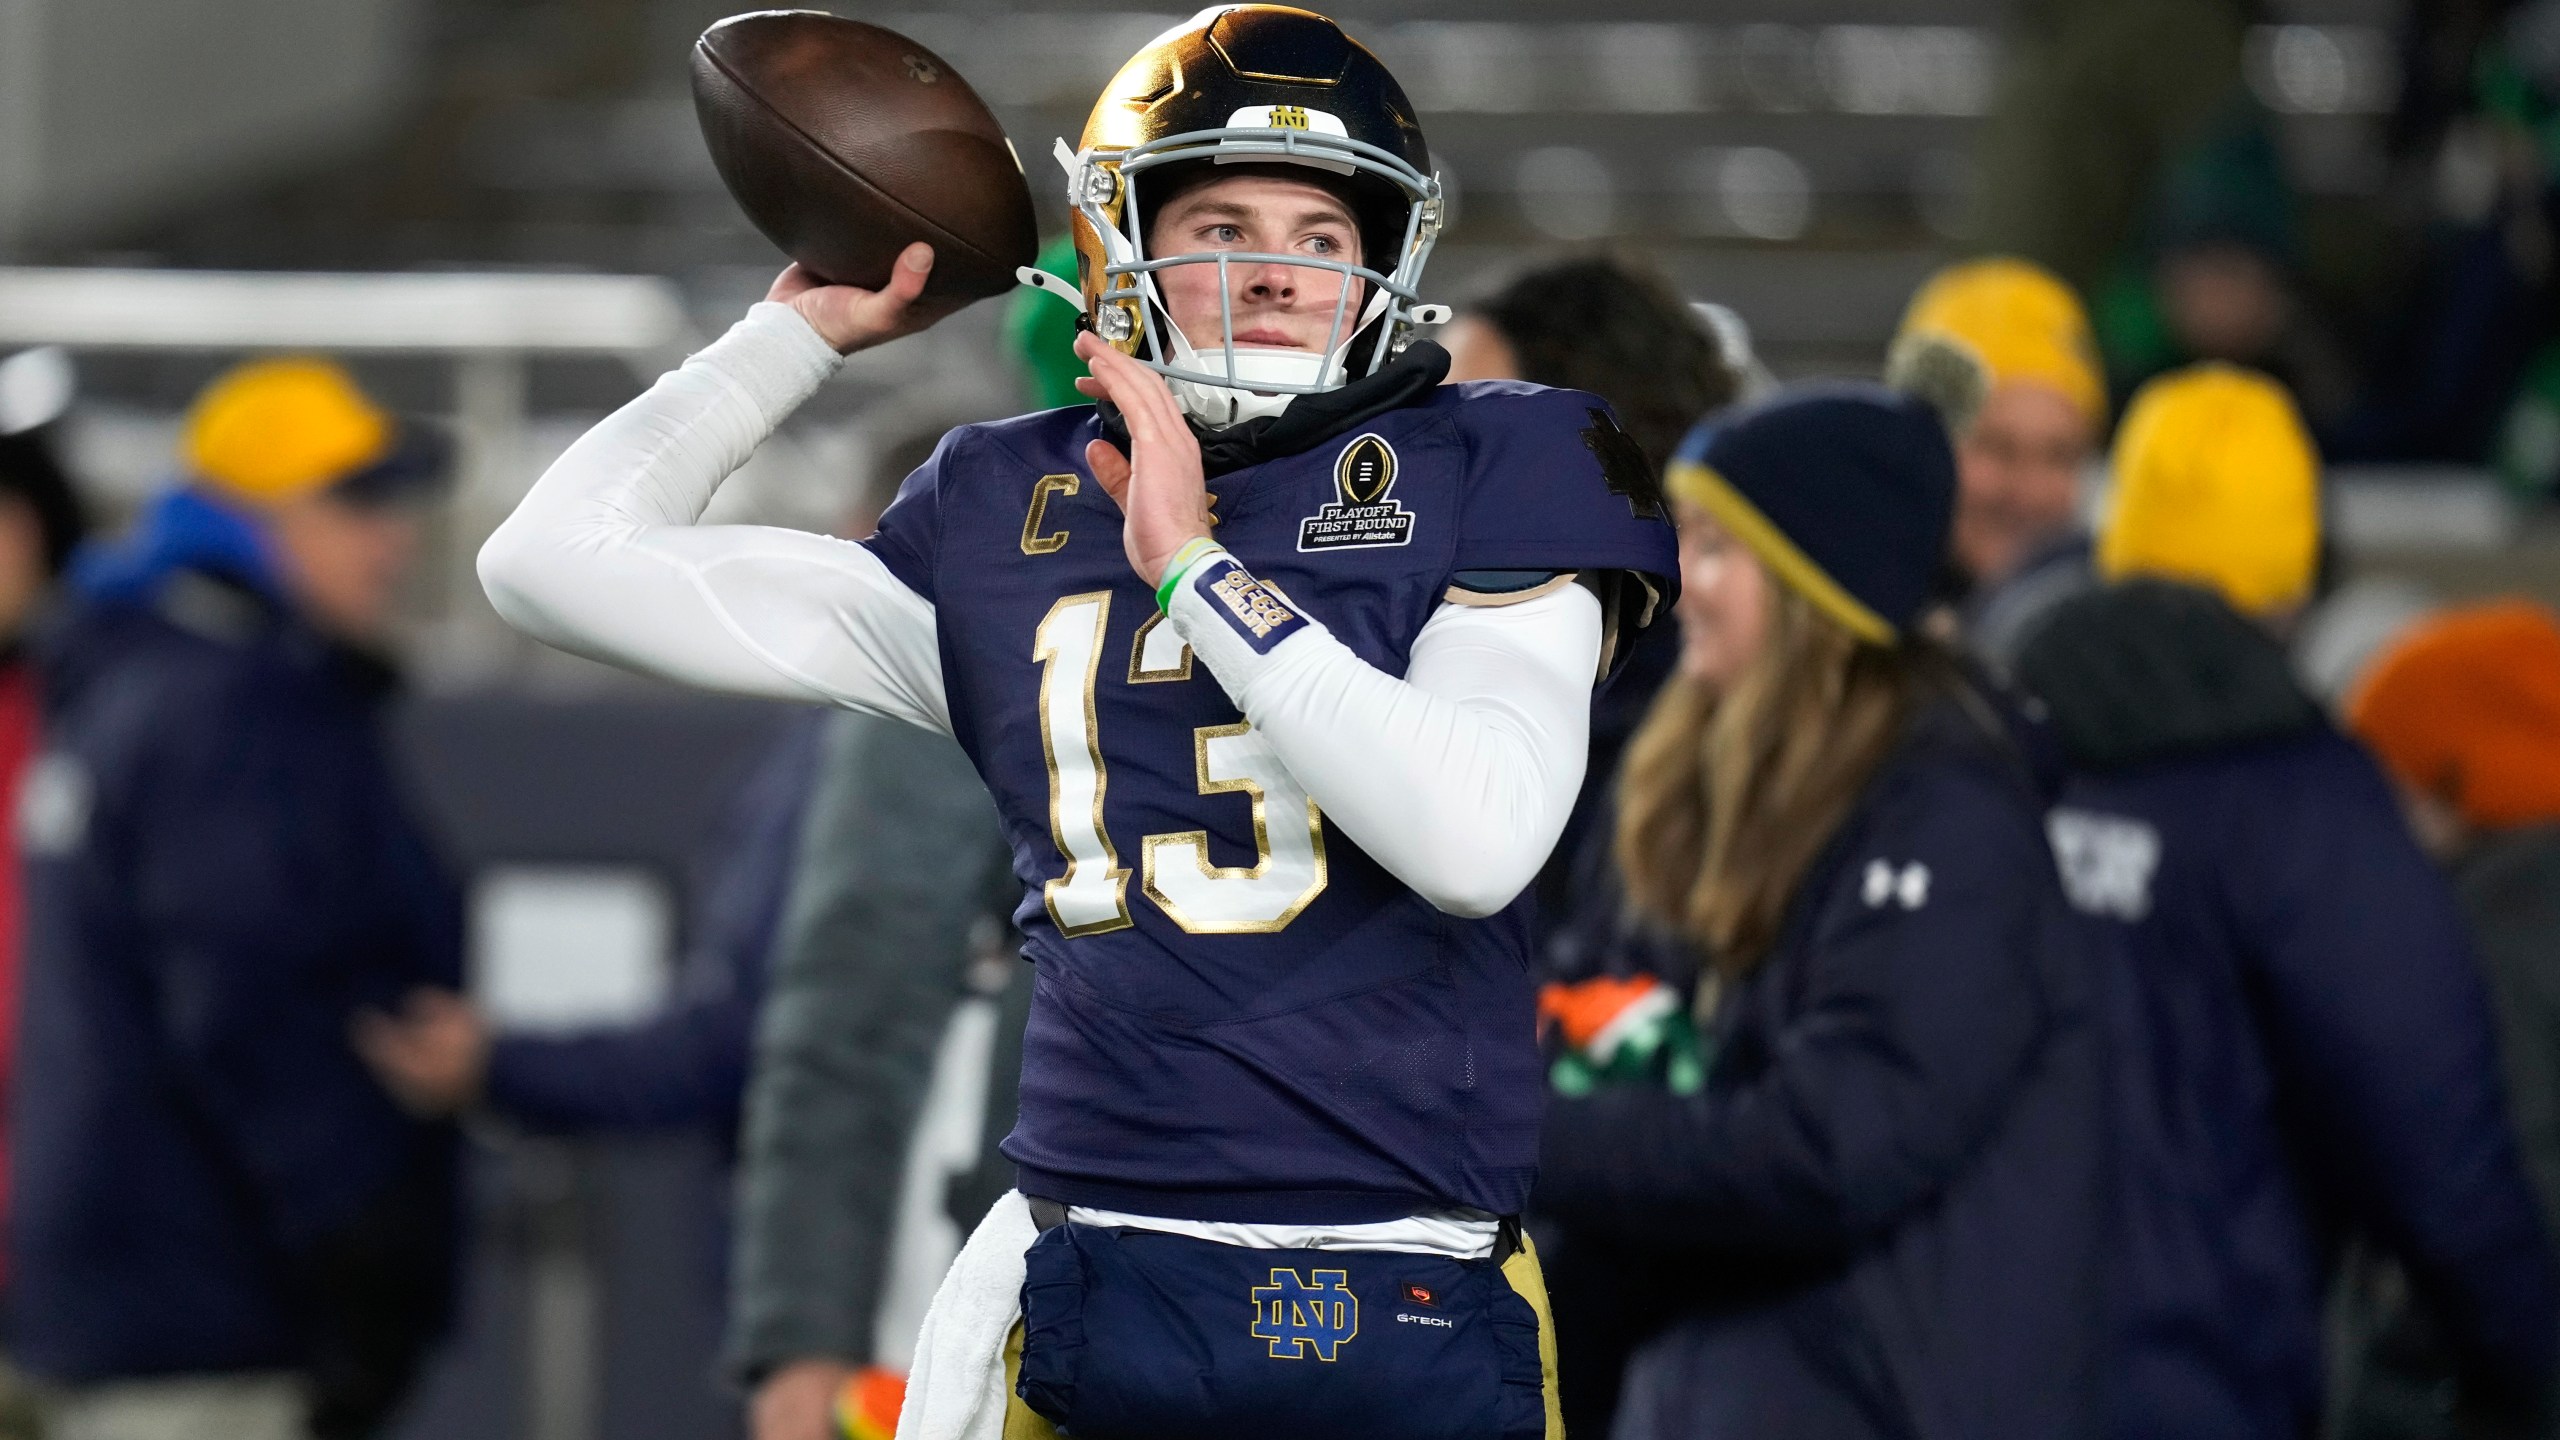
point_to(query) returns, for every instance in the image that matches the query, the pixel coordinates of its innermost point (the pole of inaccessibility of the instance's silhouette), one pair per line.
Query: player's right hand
(851, 318)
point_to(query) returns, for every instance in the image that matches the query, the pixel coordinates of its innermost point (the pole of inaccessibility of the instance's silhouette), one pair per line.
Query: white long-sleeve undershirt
(604, 558)
(1456, 777)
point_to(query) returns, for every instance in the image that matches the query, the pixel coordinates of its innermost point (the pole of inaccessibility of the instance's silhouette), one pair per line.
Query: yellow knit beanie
(271, 430)
(2215, 483)
(2021, 321)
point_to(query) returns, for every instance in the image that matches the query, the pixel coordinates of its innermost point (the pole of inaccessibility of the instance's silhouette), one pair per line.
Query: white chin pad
(1219, 405)
(1259, 366)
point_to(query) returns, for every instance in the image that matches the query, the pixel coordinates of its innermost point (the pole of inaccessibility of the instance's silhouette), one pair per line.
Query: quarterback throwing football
(1278, 663)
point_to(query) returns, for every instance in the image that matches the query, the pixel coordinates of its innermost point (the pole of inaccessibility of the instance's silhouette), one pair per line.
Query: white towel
(956, 1390)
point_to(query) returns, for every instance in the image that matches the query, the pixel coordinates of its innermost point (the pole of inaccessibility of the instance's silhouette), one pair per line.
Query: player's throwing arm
(604, 558)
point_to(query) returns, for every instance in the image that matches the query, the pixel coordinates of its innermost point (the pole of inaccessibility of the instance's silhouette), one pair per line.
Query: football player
(1278, 662)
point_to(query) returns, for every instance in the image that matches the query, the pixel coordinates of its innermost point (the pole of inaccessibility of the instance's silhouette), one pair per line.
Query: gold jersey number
(1233, 760)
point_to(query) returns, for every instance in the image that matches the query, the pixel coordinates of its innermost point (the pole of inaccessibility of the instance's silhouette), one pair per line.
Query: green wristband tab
(1183, 561)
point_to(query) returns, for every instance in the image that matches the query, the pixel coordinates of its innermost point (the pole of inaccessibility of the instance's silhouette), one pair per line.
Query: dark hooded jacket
(2302, 1041)
(222, 871)
(1883, 1215)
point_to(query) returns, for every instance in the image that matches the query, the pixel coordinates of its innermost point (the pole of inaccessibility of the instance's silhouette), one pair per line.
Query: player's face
(2018, 477)
(1275, 306)
(1724, 601)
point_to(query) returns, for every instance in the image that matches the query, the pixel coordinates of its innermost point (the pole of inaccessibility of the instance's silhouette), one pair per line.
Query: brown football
(845, 143)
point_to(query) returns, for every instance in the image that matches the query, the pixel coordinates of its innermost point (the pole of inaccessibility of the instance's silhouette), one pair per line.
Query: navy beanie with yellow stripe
(1845, 491)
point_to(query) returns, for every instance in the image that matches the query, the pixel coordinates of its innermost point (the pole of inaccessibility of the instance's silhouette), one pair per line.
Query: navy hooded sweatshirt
(2301, 1038)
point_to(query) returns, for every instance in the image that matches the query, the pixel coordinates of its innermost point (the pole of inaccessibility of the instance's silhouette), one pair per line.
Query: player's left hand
(1164, 501)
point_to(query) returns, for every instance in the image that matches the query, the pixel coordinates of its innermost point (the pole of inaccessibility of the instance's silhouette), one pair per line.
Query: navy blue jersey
(1237, 1014)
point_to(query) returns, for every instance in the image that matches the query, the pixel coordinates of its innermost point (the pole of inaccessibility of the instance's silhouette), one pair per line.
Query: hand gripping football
(845, 143)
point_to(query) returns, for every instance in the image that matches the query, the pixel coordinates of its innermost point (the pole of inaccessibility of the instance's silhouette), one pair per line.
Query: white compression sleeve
(1457, 778)
(604, 557)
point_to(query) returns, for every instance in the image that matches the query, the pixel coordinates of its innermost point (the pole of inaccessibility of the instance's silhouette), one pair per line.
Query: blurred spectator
(901, 868)
(2018, 542)
(901, 875)
(222, 1225)
(2302, 1044)
(2464, 711)
(40, 524)
(2467, 369)
(2018, 462)
(1877, 1208)
(2126, 152)
(1604, 324)
(2214, 271)
(1617, 329)
(685, 1067)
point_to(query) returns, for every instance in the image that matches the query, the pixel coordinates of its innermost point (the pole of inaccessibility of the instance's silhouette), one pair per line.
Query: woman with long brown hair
(1881, 1213)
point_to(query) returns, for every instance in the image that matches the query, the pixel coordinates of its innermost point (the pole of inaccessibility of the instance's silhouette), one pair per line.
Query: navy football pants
(1021, 1422)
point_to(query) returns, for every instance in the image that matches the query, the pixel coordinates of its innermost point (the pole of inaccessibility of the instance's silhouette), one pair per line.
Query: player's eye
(1226, 234)
(1323, 244)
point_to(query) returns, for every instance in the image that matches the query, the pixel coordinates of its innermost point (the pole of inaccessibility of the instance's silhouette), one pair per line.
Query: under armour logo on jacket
(1906, 885)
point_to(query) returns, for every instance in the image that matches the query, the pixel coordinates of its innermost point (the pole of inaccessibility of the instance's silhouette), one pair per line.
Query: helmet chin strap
(1219, 406)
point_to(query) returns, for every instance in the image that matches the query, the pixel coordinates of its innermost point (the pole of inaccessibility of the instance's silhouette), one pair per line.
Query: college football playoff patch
(1364, 511)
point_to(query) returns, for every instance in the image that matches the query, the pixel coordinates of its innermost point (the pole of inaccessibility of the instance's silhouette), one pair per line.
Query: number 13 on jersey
(1092, 898)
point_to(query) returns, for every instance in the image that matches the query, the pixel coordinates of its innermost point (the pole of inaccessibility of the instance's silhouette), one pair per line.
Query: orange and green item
(868, 1405)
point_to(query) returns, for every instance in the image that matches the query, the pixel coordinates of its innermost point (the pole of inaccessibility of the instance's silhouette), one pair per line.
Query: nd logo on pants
(1300, 1319)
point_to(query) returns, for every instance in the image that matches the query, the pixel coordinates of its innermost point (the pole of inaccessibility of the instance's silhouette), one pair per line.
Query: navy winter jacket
(688, 1064)
(2302, 1039)
(221, 873)
(1882, 1217)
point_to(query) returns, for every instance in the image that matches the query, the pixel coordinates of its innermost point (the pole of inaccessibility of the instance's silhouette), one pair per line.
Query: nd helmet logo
(1299, 1318)
(1288, 117)
(1363, 511)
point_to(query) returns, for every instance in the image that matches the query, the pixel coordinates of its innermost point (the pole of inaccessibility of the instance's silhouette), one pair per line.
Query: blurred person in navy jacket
(2463, 710)
(1876, 1208)
(223, 1225)
(687, 1066)
(2301, 1037)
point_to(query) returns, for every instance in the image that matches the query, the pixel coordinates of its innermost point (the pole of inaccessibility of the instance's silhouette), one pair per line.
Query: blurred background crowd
(491, 963)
